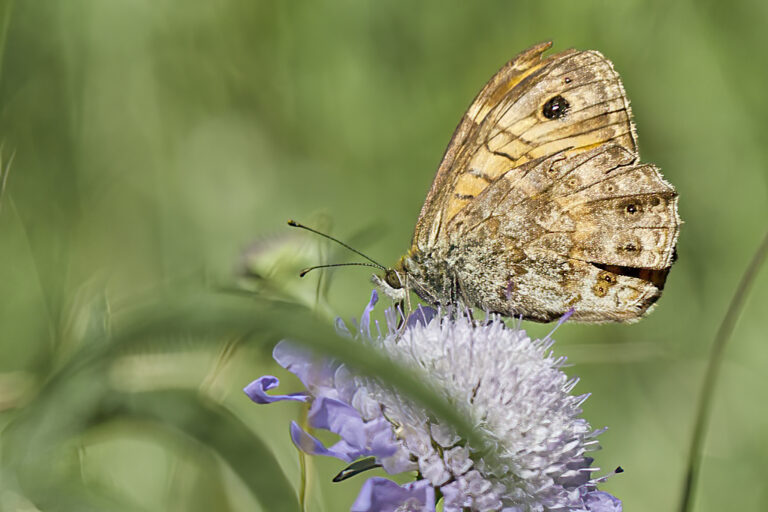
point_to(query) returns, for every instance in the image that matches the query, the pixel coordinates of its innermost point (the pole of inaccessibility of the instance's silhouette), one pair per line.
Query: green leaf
(217, 429)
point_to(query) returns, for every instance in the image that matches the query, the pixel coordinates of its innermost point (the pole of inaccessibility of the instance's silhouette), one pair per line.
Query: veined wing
(532, 107)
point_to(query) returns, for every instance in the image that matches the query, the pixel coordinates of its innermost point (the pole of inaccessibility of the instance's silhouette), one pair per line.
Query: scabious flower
(510, 387)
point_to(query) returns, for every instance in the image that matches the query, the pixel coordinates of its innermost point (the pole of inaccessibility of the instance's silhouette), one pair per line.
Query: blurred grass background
(154, 142)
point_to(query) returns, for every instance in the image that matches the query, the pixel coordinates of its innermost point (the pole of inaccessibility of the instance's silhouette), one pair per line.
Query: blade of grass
(67, 397)
(6, 16)
(706, 395)
(208, 316)
(214, 427)
(4, 172)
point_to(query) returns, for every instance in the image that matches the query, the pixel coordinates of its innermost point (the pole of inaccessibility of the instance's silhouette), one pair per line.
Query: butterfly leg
(459, 297)
(401, 316)
(407, 289)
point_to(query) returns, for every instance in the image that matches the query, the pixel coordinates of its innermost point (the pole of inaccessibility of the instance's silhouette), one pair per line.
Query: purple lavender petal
(560, 322)
(399, 462)
(257, 391)
(344, 450)
(599, 501)
(382, 495)
(365, 320)
(380, 439)
(575, 474)
(312, 446)
(358, 438)
(453, 499)
(314, 372)
(340, 418)
(341, 328)
(294, 359)
(392, 315)
(345, 383)
(423, 315)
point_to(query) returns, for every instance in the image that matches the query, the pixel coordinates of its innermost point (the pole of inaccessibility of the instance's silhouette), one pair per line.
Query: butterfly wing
(532, 107)
(594, 232)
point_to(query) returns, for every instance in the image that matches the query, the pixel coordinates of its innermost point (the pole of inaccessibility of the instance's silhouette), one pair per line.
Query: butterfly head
(392, 283)
(419, 273)
(397, 280)
(394, 278)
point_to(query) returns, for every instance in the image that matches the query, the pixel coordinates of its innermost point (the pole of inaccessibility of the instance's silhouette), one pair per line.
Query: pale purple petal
(423, 315)
(454, 500)
(345, 451)
(392, 315)
(257, 391)
(316, 373)
(575, 475)
(382, 495)
(560, 322)
(338, 417)
(341, 328)
(312, 446)
(379, 438)
(444, 435)
(399, 462)
(488, 501)
(457, 460)
(345, 384)
(433, 469)
(366, 404)
(296, 360)
(365, 320)
(358, 438)
(599, 501)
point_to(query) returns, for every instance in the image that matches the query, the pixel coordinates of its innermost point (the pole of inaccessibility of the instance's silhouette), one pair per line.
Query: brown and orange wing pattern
(532, 107)
(595, 232)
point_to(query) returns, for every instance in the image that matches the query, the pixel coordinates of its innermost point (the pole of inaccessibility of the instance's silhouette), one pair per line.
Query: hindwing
(595, 232)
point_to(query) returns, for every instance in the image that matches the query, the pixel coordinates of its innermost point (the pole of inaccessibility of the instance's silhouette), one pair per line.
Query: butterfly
(540, 205)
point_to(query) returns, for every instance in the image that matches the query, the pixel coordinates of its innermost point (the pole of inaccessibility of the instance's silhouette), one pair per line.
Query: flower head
(510, 387)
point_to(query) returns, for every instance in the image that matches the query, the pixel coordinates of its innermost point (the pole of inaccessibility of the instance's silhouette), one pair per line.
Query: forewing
(512, 121)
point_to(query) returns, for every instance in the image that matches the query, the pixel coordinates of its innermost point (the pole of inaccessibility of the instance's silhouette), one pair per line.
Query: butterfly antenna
(356, 264)
(378, 265)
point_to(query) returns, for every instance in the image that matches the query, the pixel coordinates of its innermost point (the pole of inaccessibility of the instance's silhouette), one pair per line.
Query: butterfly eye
(393, 279)
(555, 108)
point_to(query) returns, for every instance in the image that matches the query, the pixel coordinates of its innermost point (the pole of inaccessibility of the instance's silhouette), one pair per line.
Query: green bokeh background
(155, 141)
